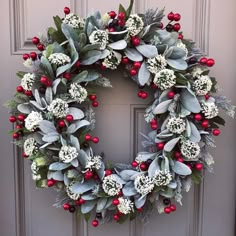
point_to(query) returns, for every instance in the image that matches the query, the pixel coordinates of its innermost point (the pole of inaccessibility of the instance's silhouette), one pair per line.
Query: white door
(209, 209)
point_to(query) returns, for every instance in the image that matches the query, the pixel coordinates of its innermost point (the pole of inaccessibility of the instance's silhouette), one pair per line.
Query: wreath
(53, 113)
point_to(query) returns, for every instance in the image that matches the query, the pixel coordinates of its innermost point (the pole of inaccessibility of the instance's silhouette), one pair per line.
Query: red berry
(173, 207)
(92, 97)
(154, 126)
(66, 206)
(50, 182)
(108, 172)
(116, 217)
(198, 117)
(66, 10)
(210, 62)
(203, 61)
(171, 94)
(95, 139)
(133, 72)
(95, 223)
(111, 29)
(160, 25)
(207, 96)
(176, 27)
(125, 60)
(67, 75)
(61, 123)
(77, 64)
(153, 121)
(167, 210)
(12, 119)
(180, 36)
(137, 64)
(44, 80)
(134, 164)
(33, 55)
(170, 16)
(81, 201)
(26, 56)
(19, 89)
(177, 154)
(28, 93)
(140, 94)
(49, 83)
(121, 15)
(205, 124)
(143, 166)
(87, 137)
(112, 14)
(25, 156)
(160, 146)
(116, 202)
(180, 159)
(95, 104)
(21, 117)
(216, 132)
(136, 41)
(177, 17)
(19, 126)
(120, 194)
(69, 118)
(16, 135)
(144, 95)
(35, 40)
(40, 47)
(121, 23)
(199, 166)
(139, 209)
(88, 175)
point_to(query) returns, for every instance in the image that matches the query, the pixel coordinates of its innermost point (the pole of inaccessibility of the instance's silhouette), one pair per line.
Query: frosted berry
(116, 202)
(133, 72)
(203, 61)
(199, 166)
(112, 14)
(176, 27)
(216, 132)
(198, 117)
(121, 16)
(177, 17)
(35, 40)
(134, 164)
(125, 60)
(210, 62)
(95, 104)
(69, 118)
(137, 65)
(171, 94)
(160, 146)
(12, 119)
(19, 89)
(167, 210)
(66, 206)
(95, 223)
(95, 139)
(67, 10)
(170, 16)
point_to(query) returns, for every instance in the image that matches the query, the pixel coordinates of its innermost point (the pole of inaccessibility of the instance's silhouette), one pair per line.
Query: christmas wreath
(53, 114)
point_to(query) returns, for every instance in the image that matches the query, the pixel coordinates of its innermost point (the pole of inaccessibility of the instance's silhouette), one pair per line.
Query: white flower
(67, 154)
(99, 37)
(162, 178)
(112, 61)
(190, 150)
(94, 162)
(27, 81)
(143, 184)
(58, 108)
(32, 120)
(182, 46)
(125, 205)
(30, 147)
(165, 79)
(176, 125)
(28, 63)
(105, 18)
(74, 21)
(134, 24)
(36, 177)
(202, 85)
(34, 168)
(78, 92)
(197, 71)
(111, 186)
(71, 173)
(59, 59)
(72, 195)
(209, 109)
(156, 64)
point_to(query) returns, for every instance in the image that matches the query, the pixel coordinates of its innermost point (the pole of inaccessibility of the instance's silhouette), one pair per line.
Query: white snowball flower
(99, 37)
(58, 108)
(162, 178)
(165, 79)
(74, 21)
(202, 85)
(94, 162)
(30, 146)
(27, 81)
(32, 120)
(35, 170)
(28, 63)
(72, 195)
(176, 125)
(197, 72)
(209, 109)
(156, 64)
(111, 186)
(125, 205)
(190, 150)
(134, 24)
(67, 154)
(143, 184)
(59, 59)
(78, 92)
(111, 61)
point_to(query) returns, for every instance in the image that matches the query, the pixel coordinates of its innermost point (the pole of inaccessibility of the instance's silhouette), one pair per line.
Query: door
(209, 209)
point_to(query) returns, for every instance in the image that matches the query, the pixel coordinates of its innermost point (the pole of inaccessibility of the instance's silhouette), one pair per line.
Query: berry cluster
(169, 206)
(174, 27)
(117, 21)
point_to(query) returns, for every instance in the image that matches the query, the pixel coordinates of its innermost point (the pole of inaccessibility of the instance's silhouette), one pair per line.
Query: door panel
(208, 209)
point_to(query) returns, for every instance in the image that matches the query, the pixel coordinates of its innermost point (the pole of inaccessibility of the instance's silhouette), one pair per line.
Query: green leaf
(181, 79)
(128, 11)
(45, 65)
(59, 166)
(133, 54)
(88, 206)
(218, 120)
(82, 40)
(87, 216)
(195, 135)
(143, 74)
(91, 57)
(81, 188)
(76, 113)
(196, 177)
(80, 77)
(24, 108)
(48, 51)
(101, 203)
(214, 83)
(189, 101)
(118, 45)
(122, 9)
(153, 168)
(129, 190)
(162, 107)
(181, 169)
(21, 74)
(58, 22)
(178, 64)
(147, 50)
(169, 146)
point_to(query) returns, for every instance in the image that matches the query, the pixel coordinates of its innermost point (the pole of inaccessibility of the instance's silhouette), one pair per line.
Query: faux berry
(177, 17)
(88, 175)
(19, 89)
(180, 159)
(171, 94)
(180, 36)
(67, 10)
(44, 80)
(95, 104)
(112, 29)
(26, 56)
(198, 117)
(169, 27)
(61, 123)
(144, 95)
(67, 75)
(203, 61)
(66, 206)
(21, 117)
(170, 16)
(125, 60)
(154, 126)
(134, 164)
(160, 146)
(33, 55)
(207, 96)
(69, 118)
(116, 202)
(40, 47)
(210, 62)
(28, 93)
(143, 166)
(116, 217)
(12, 119)
(108, 172)
(92, 97)
(95, 223)
(135, 41)
(121, 16)
(167, 210)
(87, 137)
(72, 209)
(50, 182)
(95, 139)
(121, 23)
(133, 72)
(216, 132)
(176, 27)
(137, 65)
(35, 40)
(77, 64)
(173, 207)
(177, 154)
(166, 201)
(112, 14)
(205, 124)
(199, 166)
